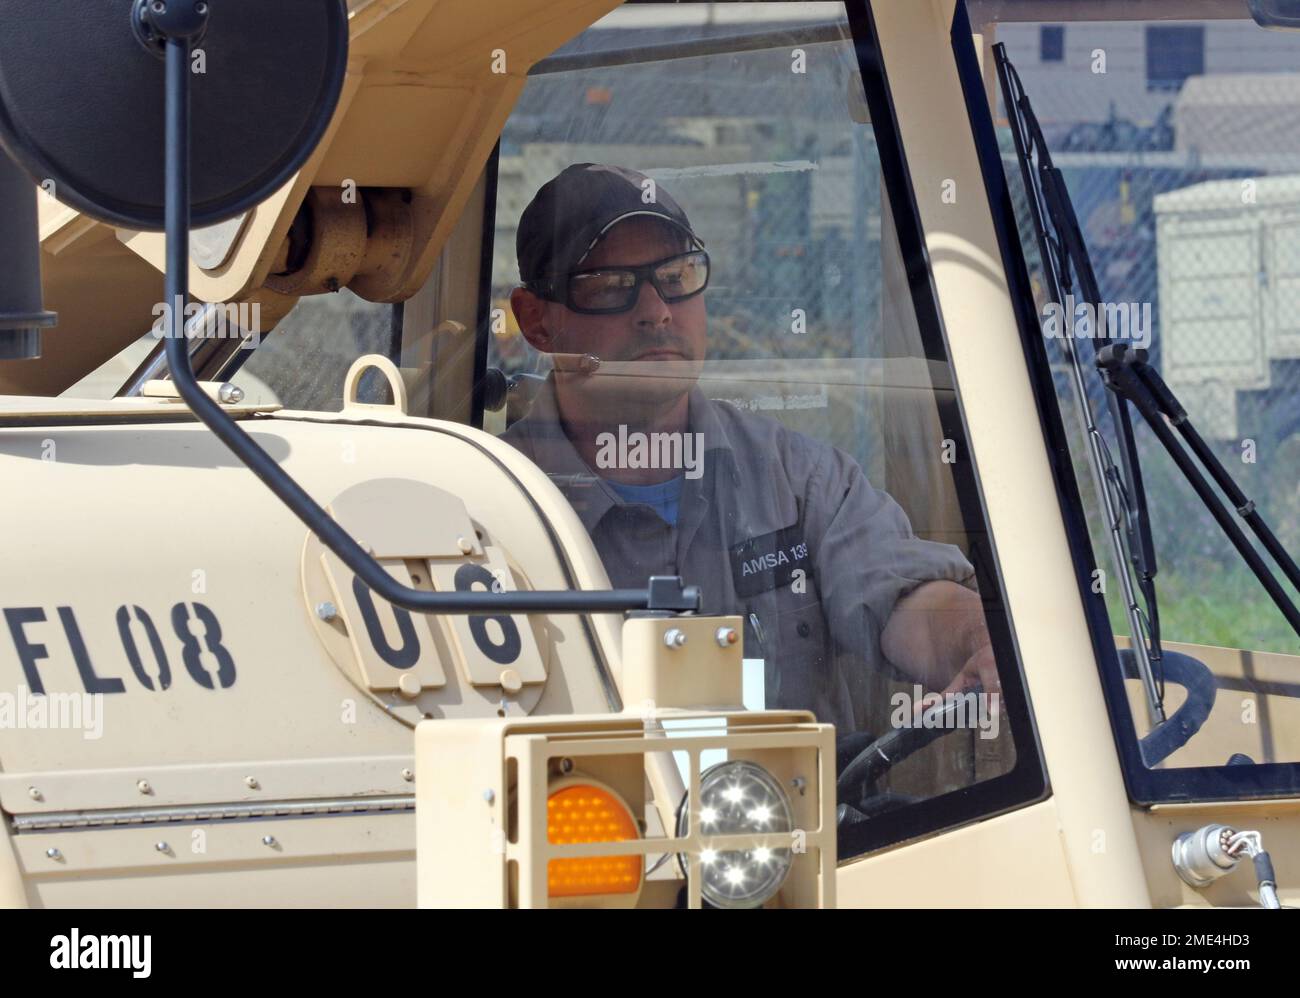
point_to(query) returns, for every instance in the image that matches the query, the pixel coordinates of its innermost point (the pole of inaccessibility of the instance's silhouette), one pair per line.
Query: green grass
(1221, 605)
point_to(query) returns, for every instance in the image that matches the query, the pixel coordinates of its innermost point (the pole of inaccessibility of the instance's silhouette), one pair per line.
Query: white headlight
(741, 798)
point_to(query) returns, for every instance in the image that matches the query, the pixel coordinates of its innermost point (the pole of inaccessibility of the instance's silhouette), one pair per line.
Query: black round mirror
(82, 101)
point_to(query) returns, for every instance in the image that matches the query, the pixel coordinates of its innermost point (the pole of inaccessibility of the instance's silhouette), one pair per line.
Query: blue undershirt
(663, 498)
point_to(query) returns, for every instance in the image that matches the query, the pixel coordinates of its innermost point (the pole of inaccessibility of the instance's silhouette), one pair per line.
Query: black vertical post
(22, 313)
(177, 212)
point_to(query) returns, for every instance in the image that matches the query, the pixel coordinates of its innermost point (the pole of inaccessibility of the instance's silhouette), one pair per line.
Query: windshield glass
(701, 301)
(1179, 143)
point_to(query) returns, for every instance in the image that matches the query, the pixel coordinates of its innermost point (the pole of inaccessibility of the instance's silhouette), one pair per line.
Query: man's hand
(937, 635)
(981, 669)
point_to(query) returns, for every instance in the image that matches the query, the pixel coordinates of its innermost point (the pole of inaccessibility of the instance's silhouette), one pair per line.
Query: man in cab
(772, 524)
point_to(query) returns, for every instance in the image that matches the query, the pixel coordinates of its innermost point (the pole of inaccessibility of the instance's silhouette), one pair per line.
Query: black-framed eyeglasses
(609, 290)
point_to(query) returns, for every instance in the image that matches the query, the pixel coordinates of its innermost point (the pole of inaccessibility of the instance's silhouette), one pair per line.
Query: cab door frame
(1081, 840)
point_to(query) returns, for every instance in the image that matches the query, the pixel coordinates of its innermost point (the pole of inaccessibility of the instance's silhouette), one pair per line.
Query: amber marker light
(585, 813)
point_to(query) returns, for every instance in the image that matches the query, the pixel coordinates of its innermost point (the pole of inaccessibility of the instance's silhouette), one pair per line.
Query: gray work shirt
(780, 528)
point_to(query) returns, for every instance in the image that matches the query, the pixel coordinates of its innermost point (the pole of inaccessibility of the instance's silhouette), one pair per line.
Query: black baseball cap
(571, 212)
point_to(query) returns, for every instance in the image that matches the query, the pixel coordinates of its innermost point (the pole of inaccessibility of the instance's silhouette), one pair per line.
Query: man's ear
(530, 313)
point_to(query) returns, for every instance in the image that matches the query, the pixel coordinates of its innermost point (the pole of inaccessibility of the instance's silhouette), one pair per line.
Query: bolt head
(326, 610)
(511, 681)
(269, 840)
(489, 795)
(34, 794)
(53, 853)
(674, 637)
(162, 847)
(178, 20)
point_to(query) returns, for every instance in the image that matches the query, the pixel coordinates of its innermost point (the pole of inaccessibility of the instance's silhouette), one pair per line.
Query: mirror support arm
(662, 593)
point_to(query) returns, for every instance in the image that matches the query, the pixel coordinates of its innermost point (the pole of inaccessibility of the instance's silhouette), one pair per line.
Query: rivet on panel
(35, 794)
(144, 787)
(251, 783)
(408, 775)
(54, 854)
(511, 681)
(271, 841)
(466, 546)
(409, 686)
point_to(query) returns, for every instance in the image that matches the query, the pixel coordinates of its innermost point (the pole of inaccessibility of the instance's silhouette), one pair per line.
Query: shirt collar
(541, 436)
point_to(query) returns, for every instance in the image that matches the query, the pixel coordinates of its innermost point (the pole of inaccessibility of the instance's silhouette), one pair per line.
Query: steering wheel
(888, 750)
(885, 752)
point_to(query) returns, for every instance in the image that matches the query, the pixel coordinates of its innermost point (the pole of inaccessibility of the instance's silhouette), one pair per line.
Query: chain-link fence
(755, 148)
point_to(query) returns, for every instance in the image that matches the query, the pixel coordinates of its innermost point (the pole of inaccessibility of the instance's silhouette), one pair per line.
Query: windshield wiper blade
(1122, 492)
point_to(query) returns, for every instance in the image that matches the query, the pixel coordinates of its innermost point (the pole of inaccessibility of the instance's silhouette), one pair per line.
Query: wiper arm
(1142, 385)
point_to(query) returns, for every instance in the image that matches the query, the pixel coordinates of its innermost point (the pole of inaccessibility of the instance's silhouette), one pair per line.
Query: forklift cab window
(701, 306)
